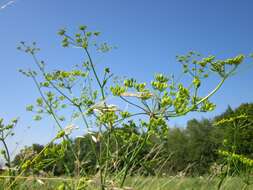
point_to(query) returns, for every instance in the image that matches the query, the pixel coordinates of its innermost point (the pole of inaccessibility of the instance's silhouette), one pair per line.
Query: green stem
(212, 92)
(202, 100)
(133, 104)
(95, 73)
(8, 159)
(135, 154)
(103, 98)
(122, 119)
(107, 152)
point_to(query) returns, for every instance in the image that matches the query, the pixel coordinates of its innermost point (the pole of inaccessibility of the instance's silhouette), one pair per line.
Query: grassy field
(185, 183)
(135, 183)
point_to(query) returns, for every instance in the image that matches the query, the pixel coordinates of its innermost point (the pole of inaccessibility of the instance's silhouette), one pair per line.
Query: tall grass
(132, 183)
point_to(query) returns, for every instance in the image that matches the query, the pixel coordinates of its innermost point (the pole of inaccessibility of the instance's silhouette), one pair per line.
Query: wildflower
(68, 130)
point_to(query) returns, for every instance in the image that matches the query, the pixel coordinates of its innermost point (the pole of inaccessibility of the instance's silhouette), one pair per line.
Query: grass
(185, 183)
(135, 183)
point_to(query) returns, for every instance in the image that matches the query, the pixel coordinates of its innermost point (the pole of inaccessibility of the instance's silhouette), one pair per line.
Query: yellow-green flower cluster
(160, 83)
(231, 119)
(125, 114)
(140, 87)
(108, 117)
(181, 100)
(205, 61)
(196, 81)
(60, 75)
(236, 60)
(238, 157)
(207, 106)
(117, 90)
(166, 100)
(129, 83)
(26, 165)
(80, 40)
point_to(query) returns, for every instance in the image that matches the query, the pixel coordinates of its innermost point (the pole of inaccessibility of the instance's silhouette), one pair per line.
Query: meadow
(139, 183)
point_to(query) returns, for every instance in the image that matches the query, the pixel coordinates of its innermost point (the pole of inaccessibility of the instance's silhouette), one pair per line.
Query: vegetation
(120, 145)
(197, 147)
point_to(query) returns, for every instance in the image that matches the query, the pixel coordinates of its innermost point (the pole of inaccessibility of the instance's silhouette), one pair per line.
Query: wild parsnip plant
(235, 163)
(84, 92)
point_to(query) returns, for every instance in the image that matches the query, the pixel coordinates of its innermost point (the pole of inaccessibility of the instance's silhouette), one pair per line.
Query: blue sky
(148, 35)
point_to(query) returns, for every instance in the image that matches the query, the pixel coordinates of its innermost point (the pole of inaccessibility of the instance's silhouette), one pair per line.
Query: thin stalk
(8, 158)
(95, 73)
(128, 166)
(103, 98)
(133, 104)
(136, 114)
(107, 152)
